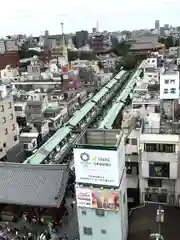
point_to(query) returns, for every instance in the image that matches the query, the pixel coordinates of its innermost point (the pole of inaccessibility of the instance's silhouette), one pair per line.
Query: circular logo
(85, 157)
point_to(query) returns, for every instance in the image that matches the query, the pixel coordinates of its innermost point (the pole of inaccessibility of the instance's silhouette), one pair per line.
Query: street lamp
(156, 236)
(159, 220)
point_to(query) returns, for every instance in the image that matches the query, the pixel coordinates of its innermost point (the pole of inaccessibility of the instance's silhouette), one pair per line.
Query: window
(87, 231)
(4, 145)
(100, 212)
(13, 127)
(134, 141)
(103, 231)
(173, 90)
(15, 138)
(154, 183)
(11, 116)
(5, 131)
(127, 141)
(10, 105)
(129, 170)
(165, 90)
(83, 212)
(157, 169)
(172, 81)
(4, 120)
(124, 198)
(156, 147)
(2, 108)
(166, 81)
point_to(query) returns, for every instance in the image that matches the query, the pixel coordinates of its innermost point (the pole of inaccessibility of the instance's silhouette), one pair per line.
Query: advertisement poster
(98, 199)
(83, 197)
(99, 167)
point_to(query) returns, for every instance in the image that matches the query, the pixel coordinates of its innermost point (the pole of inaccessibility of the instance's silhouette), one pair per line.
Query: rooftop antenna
(62, 31)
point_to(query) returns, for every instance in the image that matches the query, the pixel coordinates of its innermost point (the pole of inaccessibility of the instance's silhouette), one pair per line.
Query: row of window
(133, 141)
(155, 183)
(155, 147)
(4, 144)
(2, 106)
(172, 90)
(6, 130)
(167, 81)
(10, 118)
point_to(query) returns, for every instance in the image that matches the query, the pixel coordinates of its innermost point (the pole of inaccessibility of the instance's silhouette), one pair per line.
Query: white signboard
(83, 197)
(99, 167)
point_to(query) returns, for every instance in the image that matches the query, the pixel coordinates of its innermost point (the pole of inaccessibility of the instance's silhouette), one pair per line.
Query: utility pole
(159, 220)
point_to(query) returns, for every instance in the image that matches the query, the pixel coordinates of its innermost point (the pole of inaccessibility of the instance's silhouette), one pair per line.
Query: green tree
(121, 49)
(87, 56)
(100, 65)
(169, 41)
(72, 55)
(28, 54)
(129, 61)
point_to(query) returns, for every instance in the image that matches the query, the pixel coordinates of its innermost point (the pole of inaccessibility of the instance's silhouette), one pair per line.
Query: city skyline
(114, 15)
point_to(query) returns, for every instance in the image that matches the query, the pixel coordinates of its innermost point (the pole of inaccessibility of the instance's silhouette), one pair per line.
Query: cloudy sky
(34, 16)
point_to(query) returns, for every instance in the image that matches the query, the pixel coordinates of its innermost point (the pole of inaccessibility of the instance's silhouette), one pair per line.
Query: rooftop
(49, 146)
(25, 184)
(100, 138)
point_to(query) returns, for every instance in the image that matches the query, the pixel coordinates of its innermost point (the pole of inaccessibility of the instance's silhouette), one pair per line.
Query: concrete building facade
(8, 126)
(101, 190)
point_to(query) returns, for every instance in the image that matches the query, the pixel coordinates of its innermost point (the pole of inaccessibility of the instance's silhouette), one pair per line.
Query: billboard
(99, 167)
(97, 199)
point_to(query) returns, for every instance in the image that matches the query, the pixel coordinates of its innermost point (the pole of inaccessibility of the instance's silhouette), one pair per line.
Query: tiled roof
(142, 45)
(35, 185)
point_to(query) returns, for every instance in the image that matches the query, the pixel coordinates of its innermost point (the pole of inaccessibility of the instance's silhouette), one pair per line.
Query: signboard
(97, 167)
(97, 199)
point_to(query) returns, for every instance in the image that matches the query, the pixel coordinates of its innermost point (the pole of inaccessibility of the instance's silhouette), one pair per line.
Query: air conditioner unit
(163, 190)
(147, 189)
(154, 190)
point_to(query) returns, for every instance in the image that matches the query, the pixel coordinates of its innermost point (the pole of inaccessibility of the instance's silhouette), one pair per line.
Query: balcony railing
(159, 157)
(162, 130)
(169, 198)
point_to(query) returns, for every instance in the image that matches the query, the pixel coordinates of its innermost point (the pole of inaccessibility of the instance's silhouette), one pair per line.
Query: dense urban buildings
(86, 143)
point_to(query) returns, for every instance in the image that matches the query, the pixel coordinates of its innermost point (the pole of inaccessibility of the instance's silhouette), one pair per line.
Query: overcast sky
(35, 16)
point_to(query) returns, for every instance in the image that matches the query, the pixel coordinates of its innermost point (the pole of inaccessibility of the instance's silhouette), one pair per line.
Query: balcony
(159, 157)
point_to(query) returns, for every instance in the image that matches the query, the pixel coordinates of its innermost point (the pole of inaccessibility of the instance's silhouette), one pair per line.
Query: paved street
(69, 226)
(143, 222)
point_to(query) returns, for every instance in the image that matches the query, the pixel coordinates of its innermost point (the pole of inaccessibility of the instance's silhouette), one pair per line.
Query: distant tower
(157, 24)
(97, 26)
(63, 48)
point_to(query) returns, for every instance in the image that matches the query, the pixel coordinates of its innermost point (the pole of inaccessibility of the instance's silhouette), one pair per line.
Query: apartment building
(152, 142)
(159, 154)
(8, 127)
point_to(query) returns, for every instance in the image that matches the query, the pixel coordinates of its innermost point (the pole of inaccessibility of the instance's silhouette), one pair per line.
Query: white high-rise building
(101, 188)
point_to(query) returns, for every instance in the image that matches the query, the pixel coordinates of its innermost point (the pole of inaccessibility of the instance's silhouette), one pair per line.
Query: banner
(100, 167)
(98, 199)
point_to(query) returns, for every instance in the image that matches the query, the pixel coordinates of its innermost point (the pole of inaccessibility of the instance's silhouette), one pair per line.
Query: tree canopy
(170, 41)
(28, 54)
